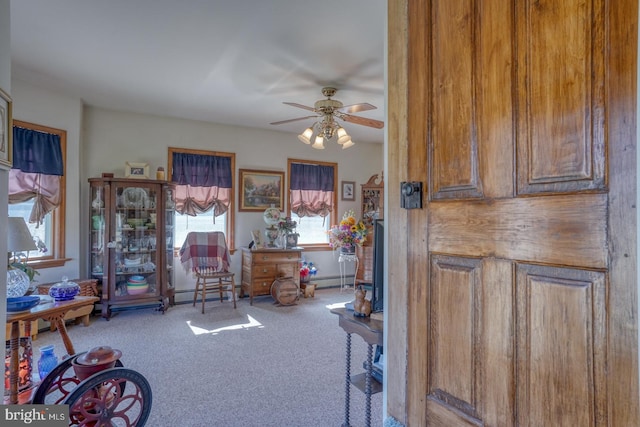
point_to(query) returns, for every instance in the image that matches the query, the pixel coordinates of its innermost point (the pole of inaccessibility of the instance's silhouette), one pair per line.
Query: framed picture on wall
(136, 170)
(259, 190)
(6, 131)
(348, 190)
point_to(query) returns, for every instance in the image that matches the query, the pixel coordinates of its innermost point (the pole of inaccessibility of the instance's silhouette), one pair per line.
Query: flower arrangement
(287, 226)
(349, 233)
(307, 271)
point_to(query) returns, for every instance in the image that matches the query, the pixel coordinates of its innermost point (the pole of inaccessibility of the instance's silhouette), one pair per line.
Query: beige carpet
(260, 365)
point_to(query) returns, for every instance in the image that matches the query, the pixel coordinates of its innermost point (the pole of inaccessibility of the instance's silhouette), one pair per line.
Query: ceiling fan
(326, 111)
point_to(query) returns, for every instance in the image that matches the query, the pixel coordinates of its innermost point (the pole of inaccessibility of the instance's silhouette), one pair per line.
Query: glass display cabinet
(131, 240)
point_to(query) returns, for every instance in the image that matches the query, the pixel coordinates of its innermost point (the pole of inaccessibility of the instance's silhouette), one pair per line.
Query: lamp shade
(306, 136)
(348, 144)
(318, 144)
(19, 238)
(342, 136)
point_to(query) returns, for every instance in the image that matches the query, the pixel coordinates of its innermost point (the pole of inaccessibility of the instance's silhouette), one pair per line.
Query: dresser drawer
(275, 257)
(261, 286)
(260, 271)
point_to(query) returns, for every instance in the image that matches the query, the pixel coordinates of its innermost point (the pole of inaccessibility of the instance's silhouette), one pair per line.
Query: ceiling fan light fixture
(326, 128)
(348, 144)
(318, 144)
(306, 136)
(343, 136)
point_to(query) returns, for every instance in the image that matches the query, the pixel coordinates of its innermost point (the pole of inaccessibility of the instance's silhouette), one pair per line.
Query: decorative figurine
(361, 306)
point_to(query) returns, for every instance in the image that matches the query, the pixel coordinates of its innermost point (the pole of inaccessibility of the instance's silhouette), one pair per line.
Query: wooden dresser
(260, 267)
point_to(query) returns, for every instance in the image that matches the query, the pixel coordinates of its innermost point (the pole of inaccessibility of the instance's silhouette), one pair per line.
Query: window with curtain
(36, 188)
(204, 191)
(312, 199)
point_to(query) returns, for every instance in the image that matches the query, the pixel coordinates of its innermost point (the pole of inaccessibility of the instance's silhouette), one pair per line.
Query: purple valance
(37, 152)
(199, 170)
(311, 177)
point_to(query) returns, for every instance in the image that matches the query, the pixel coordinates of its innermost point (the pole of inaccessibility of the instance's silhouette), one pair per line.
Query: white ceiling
(223, 61)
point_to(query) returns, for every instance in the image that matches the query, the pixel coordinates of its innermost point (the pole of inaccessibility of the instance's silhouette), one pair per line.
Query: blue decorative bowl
(16, 304)
(64, 291)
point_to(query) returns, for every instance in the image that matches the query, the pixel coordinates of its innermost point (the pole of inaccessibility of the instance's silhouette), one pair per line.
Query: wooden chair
(206, 255)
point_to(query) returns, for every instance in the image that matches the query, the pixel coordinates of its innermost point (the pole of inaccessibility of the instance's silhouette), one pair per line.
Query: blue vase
(48, 361)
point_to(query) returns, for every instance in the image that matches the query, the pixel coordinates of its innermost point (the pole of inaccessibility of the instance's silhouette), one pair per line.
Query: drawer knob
(264, 270)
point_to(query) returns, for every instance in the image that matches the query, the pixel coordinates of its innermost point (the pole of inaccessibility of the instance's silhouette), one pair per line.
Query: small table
(54, 312)
(371, 332)
(342, 259)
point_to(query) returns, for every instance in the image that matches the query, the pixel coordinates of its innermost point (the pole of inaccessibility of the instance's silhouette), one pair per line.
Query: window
(202, 222)
(51, 230)
(312, 203)
(204, 185)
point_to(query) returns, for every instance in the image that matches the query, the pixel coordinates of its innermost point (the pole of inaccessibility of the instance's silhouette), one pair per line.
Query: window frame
(231, 211)
(332, 215)
(56, 256)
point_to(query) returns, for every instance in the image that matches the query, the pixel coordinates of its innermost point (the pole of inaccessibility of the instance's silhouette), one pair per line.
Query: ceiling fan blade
(356, 108)
(362, 121)
(304, 107)
(292, 120)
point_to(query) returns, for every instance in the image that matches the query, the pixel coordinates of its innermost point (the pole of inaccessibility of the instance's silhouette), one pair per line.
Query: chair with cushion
(206, 255)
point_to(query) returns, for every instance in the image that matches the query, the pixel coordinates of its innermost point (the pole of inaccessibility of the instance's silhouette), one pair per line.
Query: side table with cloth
(206, 255)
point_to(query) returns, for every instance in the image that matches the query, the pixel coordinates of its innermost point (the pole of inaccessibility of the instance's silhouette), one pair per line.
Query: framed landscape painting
(260, 189)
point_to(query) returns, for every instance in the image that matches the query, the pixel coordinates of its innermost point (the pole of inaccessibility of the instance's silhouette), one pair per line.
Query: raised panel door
(519, 296)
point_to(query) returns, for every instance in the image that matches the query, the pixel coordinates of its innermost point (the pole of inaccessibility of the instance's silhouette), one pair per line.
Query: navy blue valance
(199, 170)
(37, 152)
(306, 176)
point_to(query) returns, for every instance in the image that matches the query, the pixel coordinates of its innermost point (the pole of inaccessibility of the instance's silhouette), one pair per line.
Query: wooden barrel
(285, 291)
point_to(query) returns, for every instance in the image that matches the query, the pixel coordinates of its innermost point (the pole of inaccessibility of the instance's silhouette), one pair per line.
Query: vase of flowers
(287, 228)
(349, 234)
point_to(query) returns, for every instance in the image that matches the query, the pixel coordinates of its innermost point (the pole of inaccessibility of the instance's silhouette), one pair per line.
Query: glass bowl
(64, 290)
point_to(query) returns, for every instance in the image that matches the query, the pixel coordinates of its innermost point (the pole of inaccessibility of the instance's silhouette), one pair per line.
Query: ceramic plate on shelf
(134, 197)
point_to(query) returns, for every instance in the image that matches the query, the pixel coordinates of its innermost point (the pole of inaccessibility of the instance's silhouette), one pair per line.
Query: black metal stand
(371, 331)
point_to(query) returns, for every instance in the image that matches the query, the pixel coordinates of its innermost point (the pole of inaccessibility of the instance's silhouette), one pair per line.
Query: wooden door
(512, 298)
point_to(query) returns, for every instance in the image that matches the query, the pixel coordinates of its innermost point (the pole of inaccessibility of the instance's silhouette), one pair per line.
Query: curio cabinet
(131, 241)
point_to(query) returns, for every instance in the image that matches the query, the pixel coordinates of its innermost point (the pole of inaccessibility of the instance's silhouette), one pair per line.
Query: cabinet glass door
(169, 219)
(97, 232)
(136, 256)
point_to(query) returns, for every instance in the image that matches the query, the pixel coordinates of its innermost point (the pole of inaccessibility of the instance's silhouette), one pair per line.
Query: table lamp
(19, 239)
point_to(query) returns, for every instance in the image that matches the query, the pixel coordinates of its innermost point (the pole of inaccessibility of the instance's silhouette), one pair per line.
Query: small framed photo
(6, 131)
(348, 190)
(136, 170)
(256, 236)
(260, 189)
